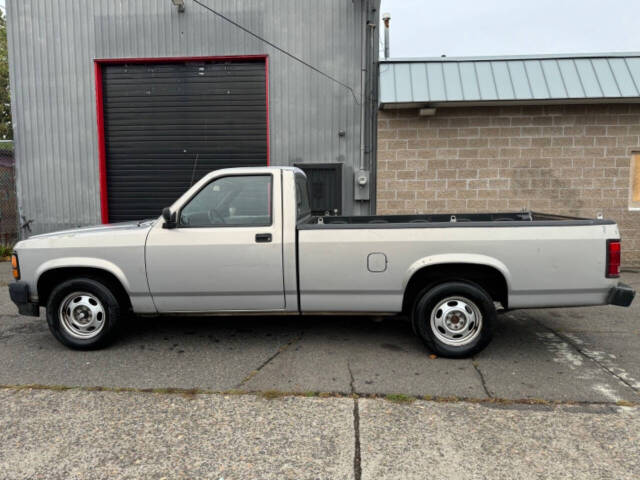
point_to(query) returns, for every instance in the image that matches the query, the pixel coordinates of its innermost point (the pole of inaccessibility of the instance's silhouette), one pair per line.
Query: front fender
(83, 262)
(459, 258)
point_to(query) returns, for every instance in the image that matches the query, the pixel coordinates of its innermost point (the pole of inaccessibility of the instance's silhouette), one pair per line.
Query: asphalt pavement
(556, 394)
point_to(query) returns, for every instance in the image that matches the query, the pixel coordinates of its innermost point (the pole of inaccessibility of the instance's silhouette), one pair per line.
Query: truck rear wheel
(455, 319)
(83, 314)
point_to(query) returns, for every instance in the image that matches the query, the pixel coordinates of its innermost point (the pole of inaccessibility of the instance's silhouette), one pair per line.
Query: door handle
(263, 237)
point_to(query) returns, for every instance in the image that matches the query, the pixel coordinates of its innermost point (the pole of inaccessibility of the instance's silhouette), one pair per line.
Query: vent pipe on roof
(386, 18)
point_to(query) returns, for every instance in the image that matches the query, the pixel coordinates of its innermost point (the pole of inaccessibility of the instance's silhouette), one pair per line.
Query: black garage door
(168, 124)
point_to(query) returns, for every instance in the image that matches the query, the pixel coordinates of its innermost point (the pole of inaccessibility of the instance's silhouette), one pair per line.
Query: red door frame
(102, 150)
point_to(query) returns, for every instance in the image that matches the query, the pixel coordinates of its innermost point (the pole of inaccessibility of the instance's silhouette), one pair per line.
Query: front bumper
(19, 294)
(621, 295)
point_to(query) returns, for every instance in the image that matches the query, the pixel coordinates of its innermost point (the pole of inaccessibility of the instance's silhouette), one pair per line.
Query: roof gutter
(498, 103)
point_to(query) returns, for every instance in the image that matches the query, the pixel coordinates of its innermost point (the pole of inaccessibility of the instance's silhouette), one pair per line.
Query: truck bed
(559, 261)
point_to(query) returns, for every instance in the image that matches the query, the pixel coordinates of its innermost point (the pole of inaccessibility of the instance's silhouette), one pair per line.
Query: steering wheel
(213, 214)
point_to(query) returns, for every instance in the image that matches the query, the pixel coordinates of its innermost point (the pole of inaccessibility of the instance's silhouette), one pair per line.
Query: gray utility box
(361, 185)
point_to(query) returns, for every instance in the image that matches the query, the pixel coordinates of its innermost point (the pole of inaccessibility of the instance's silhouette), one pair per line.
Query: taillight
(613, 259)
(15, 266)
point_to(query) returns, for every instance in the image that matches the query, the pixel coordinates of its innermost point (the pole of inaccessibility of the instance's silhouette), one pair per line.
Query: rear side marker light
(15, 266)
(613, 259)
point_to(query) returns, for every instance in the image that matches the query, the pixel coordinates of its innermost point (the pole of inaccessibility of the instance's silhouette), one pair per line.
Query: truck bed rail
(441, 220)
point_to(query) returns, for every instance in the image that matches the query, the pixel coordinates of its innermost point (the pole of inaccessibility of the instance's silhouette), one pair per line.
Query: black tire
(94, 291)
(470, 305)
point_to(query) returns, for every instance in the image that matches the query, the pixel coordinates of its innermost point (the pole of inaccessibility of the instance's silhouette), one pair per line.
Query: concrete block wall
(565, 159)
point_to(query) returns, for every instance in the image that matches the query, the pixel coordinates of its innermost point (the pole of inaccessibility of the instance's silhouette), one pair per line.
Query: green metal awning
(511, 80)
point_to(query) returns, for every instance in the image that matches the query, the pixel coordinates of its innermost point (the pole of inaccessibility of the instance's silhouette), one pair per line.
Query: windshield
(243, 200)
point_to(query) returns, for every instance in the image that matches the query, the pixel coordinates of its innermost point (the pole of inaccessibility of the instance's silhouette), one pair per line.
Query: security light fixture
(179, 4)
(427, 112)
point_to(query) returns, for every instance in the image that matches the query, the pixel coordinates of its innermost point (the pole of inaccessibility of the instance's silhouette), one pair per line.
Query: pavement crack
(357, 458)
(357, 465)
(352, 382)
(586, 355)
(481, 375)
(280, 350)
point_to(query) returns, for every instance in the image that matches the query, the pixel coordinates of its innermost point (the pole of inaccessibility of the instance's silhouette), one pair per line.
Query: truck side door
(225, 253)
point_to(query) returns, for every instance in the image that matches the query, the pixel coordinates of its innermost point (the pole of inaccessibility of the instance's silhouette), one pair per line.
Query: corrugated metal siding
(52, 46)
(445, 80)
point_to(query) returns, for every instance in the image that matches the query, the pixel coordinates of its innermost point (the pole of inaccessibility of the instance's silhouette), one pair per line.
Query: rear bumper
(19, 294)
(621, 295)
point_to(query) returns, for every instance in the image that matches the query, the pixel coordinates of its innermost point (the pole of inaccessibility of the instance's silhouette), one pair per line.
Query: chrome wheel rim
(456, 321)
(82, 315)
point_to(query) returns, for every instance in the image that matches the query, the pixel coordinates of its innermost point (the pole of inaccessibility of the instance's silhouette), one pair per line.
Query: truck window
(236, 201)
(303, 209)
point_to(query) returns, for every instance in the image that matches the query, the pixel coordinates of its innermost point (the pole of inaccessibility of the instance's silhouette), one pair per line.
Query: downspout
(363, 81)
(374, 54)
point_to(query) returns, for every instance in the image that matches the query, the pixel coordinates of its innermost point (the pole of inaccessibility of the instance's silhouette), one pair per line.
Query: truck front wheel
(455, 319)
(83, 313)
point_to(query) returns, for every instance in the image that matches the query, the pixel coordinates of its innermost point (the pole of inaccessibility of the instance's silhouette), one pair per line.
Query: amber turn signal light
(15, 266)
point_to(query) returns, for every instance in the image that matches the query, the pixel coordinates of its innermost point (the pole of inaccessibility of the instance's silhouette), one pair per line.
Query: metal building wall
(52, 46)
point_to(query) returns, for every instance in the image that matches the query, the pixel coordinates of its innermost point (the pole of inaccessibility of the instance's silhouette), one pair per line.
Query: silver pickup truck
(243, 241)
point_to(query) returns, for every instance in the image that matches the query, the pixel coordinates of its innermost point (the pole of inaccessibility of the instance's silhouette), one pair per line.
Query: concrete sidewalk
(77, 434)
(465, 441)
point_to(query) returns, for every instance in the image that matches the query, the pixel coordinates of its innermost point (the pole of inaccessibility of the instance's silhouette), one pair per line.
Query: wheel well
(52, 278)
(487, 277)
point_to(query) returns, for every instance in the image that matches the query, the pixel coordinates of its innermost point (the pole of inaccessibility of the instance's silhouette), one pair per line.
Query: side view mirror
(169, 218)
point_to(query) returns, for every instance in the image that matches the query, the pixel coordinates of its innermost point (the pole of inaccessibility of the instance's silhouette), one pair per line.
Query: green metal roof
(513, 79)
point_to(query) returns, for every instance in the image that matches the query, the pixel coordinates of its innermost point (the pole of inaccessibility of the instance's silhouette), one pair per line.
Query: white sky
(430, 28)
